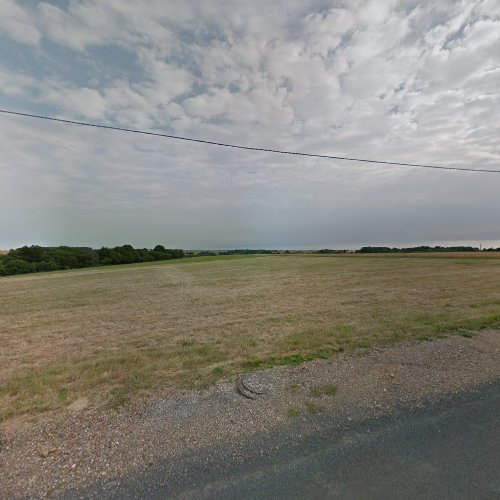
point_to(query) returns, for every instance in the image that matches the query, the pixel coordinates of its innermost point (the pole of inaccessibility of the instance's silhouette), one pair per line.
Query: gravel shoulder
(83, 445)
(447, 449)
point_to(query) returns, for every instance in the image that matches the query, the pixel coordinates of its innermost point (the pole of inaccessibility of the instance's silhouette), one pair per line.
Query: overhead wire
(247, 148)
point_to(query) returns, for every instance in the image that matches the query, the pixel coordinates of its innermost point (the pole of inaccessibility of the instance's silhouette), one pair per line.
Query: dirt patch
(78, 405)
(75, 448)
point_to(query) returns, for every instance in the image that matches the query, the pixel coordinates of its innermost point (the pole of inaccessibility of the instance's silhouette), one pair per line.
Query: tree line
(35, 258)
(424, 249)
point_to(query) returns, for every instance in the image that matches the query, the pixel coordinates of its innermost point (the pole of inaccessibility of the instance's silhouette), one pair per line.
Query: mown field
(101, 336)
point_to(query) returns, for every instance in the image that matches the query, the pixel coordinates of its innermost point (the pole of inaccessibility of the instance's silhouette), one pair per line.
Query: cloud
(15, 84)
(393, 80)
(18, 23)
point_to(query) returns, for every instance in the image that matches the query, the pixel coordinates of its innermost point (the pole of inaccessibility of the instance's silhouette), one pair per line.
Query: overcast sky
(406, 81)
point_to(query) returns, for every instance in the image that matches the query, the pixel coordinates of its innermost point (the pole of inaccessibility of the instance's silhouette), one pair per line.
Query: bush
(47, 265)
(18, 266)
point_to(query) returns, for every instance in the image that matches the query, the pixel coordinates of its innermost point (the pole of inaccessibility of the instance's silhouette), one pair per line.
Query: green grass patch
(120, 396)
(322, 339)
(63, 393)
(287, 360)
(318, 391)
(292, 412)
(467, 335)
(297, 359)
(313, 407)
(477, 323)
(425, 338)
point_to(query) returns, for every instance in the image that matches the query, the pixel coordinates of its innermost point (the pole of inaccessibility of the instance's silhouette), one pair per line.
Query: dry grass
(106, 334)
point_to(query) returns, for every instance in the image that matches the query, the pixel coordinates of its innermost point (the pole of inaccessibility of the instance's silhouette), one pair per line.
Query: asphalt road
(446, 449)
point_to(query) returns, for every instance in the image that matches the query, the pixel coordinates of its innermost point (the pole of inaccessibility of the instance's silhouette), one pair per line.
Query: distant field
(102, 335)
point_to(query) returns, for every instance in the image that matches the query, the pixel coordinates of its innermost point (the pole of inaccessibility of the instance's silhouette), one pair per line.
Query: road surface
(445, 449)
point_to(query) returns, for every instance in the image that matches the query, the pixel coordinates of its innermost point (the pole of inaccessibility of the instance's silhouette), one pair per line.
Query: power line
(248, 148)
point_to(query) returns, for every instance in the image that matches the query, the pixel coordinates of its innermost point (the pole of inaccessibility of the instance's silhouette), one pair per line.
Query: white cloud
(18, 22)
(15, 84)
(84, 24)
(83, 101)
(390, 80)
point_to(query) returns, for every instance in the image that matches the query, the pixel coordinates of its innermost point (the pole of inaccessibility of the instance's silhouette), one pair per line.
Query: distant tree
(34, 253)
(419, 249)
(376, 250)
(18, 266)
(48, 265)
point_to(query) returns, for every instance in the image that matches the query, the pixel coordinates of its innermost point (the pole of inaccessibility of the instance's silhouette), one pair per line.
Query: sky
(406, 81)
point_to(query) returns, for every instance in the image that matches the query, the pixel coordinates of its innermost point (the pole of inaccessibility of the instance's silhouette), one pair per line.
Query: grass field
(100, 336)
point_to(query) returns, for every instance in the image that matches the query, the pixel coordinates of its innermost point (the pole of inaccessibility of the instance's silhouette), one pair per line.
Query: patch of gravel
(83, 445)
